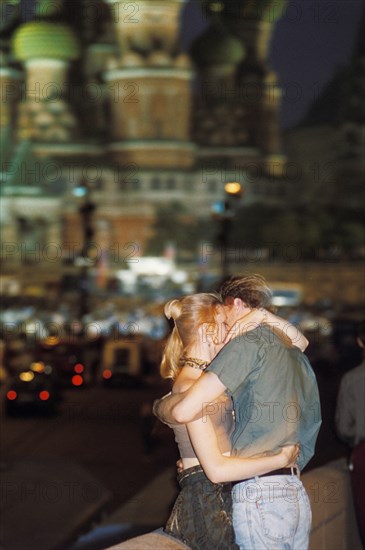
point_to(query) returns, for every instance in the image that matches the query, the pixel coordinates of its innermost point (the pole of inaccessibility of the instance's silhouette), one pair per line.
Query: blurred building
(98, 98)
(328, 145)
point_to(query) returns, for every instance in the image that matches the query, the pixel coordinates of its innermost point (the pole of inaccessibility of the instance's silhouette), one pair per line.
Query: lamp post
(224, 212)
(86, 211)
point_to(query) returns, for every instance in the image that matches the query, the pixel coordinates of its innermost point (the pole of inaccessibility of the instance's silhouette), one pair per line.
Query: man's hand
(290, 454)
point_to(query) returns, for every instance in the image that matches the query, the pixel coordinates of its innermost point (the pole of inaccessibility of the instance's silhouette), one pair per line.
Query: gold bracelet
(194, 362)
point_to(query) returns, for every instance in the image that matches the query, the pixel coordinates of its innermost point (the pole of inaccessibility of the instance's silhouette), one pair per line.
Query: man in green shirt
(276, 402)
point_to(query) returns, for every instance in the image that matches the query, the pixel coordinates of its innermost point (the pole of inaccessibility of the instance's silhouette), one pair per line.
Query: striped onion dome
(45, 40)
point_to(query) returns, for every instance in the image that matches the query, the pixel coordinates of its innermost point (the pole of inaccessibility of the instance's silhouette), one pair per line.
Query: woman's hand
(290, 454)
(179, 466)
(209, 344)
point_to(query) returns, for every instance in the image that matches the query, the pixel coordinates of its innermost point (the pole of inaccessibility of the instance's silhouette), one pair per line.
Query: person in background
(350, 425)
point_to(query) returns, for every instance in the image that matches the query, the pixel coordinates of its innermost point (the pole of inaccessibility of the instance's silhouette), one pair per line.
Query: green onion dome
(45, 40)
(217, 47)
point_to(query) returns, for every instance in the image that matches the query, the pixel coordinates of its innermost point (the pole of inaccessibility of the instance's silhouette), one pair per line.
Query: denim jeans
(271, 512)
(202, 513)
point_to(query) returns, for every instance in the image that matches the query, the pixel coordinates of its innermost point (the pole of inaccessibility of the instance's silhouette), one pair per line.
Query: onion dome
(217, 47)
(45, 40)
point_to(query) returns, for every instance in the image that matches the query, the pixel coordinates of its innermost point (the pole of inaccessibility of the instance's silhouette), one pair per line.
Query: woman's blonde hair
(188, 314)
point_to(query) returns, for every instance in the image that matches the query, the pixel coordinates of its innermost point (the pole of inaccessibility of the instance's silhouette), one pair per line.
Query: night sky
(312, 40)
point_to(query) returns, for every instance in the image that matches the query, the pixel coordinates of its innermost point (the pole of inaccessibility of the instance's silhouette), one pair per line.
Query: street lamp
(224, 212)
(86, 211)
(233, 189)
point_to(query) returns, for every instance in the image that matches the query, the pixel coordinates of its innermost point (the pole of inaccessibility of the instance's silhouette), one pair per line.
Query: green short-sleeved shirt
(274, 391)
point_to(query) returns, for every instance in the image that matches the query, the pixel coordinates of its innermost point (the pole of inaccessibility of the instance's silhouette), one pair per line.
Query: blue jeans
(271, 512)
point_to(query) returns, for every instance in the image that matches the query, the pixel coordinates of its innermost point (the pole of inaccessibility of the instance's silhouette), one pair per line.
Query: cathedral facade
(101, 106)
(103, 102)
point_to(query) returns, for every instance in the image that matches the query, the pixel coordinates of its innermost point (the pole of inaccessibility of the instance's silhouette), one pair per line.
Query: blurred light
(218, 207)
(52, 340)
(48, 369)
(11, 395)
(79, 191)
(26, 376)
(37, 367)
(233, 188)
(44, 395)
(216, 7)
(107, 373)
(77, 380)
(79, 368)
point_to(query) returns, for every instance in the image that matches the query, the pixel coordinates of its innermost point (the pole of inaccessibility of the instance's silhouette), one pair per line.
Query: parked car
(67, 360)
(121, 363)
(33, 389)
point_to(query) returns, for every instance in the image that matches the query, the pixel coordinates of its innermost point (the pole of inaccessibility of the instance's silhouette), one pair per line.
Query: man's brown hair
(253, 290)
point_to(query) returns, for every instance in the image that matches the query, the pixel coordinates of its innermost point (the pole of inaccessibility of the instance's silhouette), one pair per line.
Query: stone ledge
(333, 526)
(154, 541)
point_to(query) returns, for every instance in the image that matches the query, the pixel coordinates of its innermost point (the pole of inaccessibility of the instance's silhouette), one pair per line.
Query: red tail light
(11, 395)
(44, 395)
(79, 368)
(77, 380)
(107, 373)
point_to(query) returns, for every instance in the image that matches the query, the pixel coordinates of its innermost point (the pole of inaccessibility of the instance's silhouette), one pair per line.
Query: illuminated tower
(217, 54)
(46, 48)
(253, 93)
(253, 22)
(150, 87)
